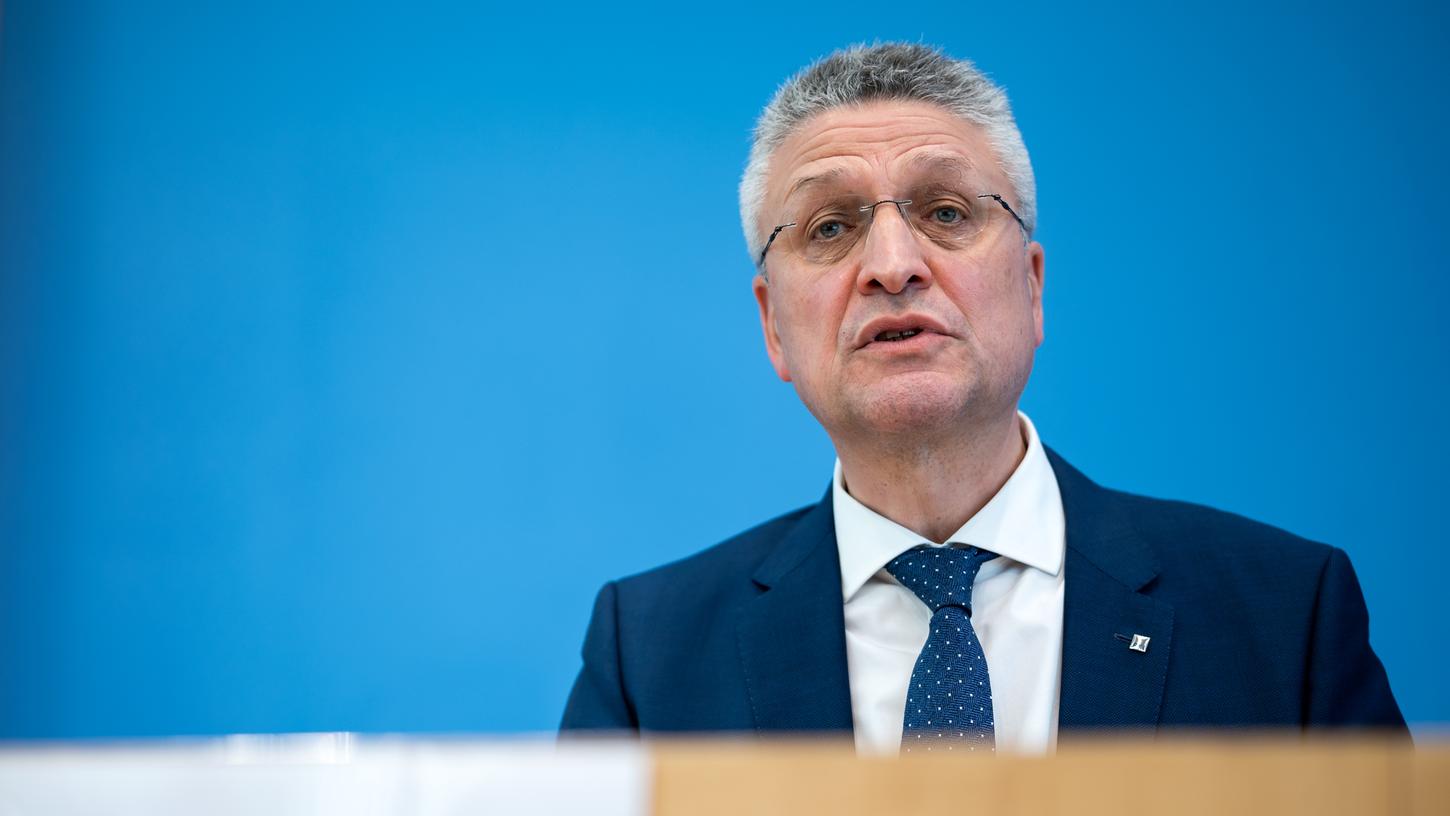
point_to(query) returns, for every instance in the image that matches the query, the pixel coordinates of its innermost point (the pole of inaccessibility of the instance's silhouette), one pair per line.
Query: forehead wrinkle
(876, 151)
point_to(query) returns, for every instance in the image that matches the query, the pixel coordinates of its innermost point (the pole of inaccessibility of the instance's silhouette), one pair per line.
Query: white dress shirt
(1016, 608)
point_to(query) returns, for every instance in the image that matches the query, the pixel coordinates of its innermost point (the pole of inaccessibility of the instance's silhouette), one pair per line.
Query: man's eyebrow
(829, 176)
(941, 162)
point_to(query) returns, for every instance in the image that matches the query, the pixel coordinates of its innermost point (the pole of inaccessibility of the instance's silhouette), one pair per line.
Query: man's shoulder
(1202, 539)
(1175, 530)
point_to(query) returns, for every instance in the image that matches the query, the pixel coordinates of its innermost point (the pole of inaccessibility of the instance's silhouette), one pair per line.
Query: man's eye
(827, 230)
(947, 214)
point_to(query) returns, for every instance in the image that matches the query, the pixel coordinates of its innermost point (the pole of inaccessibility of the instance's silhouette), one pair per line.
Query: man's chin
(907, 409)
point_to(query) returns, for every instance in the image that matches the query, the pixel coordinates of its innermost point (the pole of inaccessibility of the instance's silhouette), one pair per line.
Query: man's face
(829, 327)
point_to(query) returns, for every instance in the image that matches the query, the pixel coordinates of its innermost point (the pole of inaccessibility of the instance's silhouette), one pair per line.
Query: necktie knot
(940, 576)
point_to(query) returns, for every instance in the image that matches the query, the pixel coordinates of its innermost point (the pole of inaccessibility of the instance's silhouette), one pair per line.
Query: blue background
(347, 349)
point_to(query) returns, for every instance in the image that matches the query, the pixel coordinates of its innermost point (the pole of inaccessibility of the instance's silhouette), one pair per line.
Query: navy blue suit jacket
(1249, 626)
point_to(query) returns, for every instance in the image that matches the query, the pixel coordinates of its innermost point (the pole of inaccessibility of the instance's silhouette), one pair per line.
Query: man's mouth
(911, 330)
(892, 336)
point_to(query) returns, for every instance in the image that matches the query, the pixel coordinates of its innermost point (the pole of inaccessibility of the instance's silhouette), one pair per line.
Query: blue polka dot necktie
(949, 701)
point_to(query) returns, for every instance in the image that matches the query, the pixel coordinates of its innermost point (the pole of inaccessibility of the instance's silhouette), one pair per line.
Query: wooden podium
(1208, 775)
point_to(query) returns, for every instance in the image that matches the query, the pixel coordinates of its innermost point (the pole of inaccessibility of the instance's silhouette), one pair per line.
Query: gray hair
(887, 71)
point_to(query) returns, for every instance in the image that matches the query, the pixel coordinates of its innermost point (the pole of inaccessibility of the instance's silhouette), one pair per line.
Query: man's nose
(893, 258)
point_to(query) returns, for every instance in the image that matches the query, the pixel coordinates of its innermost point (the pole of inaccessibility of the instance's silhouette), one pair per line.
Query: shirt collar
(1023, 522)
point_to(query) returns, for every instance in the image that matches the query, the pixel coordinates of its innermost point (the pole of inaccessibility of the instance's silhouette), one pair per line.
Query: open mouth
(915, 331)
(894, 336)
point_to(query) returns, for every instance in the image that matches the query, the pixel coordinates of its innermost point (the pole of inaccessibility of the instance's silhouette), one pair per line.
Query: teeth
(898, 335)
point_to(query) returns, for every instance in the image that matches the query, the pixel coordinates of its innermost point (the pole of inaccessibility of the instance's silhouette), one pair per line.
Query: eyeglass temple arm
(1008, 208)
(760, 262)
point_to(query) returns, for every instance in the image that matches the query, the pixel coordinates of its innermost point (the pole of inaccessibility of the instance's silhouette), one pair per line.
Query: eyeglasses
(830, 228)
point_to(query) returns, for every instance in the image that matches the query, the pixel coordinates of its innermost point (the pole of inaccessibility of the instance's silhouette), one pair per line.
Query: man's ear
(1036, 272)
(761, 286)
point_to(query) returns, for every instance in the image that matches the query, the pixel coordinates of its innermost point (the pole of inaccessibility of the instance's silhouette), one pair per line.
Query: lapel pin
(1139, 643)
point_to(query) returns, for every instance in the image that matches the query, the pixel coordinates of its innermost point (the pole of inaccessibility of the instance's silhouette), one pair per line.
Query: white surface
(325, 774)
(1016, 608)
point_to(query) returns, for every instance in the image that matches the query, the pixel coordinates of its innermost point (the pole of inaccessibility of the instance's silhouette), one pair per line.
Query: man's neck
(934, 489)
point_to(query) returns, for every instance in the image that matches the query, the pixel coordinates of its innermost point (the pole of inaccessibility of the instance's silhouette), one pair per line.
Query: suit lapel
(792, 636)
(1105, 683)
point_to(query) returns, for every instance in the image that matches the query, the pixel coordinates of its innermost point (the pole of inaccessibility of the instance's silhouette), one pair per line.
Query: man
(960, 586)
